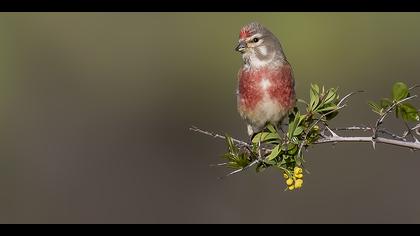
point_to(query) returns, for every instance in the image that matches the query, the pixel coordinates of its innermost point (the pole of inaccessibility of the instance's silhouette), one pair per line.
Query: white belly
(267, 110)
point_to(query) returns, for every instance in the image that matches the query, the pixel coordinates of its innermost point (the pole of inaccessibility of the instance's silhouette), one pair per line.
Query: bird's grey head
(259, 46)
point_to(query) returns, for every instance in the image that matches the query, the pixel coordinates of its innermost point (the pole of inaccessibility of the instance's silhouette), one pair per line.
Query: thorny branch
(335, 139)
(238, 142)
(366, 129)
(409, 139)
(325, 140)
(381, 119)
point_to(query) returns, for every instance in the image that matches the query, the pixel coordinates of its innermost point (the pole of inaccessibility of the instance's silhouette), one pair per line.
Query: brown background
(95, 110)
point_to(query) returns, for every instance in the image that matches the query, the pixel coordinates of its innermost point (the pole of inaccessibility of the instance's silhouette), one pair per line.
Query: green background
(95, 110)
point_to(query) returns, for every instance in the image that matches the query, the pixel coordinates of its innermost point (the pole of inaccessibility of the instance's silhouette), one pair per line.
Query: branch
(237, 141)
(414, 87)
(383, 116)
(416, 129)
(338, 139)
(365, 129)
(214, 135)
(387, 112)
(331, 139)
(286, 152)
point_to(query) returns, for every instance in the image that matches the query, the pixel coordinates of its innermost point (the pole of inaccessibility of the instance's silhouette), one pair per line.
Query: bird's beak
(241, 46)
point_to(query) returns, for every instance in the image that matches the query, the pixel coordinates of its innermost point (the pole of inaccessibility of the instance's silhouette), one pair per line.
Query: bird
(266, 86)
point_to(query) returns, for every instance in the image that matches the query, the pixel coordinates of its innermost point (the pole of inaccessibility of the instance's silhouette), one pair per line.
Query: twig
(349, 95)
(237, 141)
(411, 145)
(414, 87)
(383, 116)
(214, 135)
(241, 169)
(220, 164)
(365, 129)
(356, 128)
(389, 110)
(410, 132)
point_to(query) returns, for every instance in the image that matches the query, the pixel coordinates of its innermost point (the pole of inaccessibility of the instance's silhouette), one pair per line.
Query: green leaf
(291, 130)
(385, 103)
(331, 96)
(399, 91)
(298, 131)
(228, 156)
(314, 96)
(302, 101)
(375, 107)
(294, 124)
(237, 160)
(332, 115)
(271, 128)
(231, 144)
(292, 149)
(270, 162)
(274, 153)
(327, 108)
(294, 140)
(408, 112)
(265, 136)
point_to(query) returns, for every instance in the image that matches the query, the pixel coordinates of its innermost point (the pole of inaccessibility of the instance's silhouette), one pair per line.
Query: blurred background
(95, 110)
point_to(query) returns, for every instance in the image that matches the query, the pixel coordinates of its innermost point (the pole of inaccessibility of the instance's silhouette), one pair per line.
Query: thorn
(232, 173)
(332, 132)
(240, 170)
(219, 164)
(414, 87)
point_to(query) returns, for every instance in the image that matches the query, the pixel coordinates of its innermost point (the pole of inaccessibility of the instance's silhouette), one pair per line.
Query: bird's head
(258, 45)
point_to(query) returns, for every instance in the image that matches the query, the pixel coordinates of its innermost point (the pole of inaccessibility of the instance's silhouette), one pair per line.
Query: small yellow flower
(285, 176)
(291, 188)
(298, 170)
(289, 181)
(298, 183)
(299, 176)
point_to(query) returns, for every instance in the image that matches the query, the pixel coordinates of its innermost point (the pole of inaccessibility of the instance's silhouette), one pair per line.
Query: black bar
(209, 6)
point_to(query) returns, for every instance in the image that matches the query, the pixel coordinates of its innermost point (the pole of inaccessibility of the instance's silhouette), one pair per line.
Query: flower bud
(298, 183)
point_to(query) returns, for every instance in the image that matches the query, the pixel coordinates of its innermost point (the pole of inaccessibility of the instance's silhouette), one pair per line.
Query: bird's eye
(255, 40)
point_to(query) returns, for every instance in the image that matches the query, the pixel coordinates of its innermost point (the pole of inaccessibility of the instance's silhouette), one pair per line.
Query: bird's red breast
(262, 83)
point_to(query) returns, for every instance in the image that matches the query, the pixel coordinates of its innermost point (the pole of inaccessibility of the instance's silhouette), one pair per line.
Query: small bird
(266, 87)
